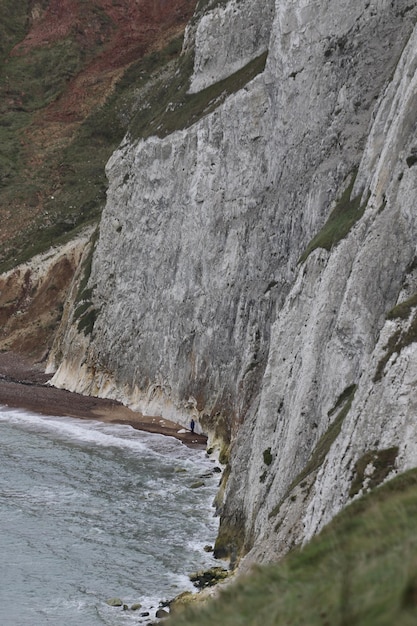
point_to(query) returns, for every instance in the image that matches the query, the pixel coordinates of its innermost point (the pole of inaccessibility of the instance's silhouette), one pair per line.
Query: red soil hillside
(111, 34)
(61, 61)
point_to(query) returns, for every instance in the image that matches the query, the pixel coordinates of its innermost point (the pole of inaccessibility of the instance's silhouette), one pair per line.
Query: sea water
(91, 511)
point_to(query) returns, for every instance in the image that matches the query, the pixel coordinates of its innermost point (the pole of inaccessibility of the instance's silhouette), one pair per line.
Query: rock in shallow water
(114, 602)
(196, 485)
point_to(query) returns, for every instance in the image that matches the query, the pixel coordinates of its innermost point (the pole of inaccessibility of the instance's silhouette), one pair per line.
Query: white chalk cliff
(257, 267)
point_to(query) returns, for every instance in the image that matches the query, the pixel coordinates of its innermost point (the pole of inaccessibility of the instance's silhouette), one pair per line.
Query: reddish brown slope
(111, 33)
(84, 48)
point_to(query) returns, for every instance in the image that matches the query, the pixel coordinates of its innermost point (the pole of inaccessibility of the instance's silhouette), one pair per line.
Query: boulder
(197, 484)
(181, 601)
(209, 577)
(114, 602)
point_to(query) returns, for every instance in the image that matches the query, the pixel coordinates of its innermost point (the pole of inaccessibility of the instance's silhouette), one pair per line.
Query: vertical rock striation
(256, 268)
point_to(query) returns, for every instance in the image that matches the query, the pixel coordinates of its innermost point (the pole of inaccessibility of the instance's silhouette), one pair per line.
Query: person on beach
(192, 425)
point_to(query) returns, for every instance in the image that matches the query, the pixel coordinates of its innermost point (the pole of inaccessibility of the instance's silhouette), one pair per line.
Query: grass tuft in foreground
(361, 570)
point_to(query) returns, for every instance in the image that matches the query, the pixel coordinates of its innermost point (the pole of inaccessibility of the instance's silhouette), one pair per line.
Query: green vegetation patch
(267, 456)
(85, 311)
(380, 463)
(346, 395)
(208, 578)
(13, 24)
(361, 570)
(403, 309)
(37, 79)
(84, 293)
(399, 340)
(87, 321)
(169, 106)
(29, 83)
(323, 445)
(345, 214)
(230, 539)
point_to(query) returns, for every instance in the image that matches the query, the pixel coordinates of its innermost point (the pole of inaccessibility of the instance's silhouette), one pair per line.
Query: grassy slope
(28, 84)
(361, 570)
(13, 24)
(52, 162)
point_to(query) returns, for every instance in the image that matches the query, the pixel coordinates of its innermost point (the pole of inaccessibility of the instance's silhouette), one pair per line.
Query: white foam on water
(93, 432)
(72, 429)
(130, 524)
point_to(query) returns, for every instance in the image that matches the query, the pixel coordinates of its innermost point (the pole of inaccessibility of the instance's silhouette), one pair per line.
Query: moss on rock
(346, 213)
(372, 469)
(208, 578)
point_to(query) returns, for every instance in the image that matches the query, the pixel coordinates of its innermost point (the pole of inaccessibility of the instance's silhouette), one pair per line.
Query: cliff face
(255, 265)
(32, 298)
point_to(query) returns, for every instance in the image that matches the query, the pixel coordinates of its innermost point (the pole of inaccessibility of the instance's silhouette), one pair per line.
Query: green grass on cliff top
(360, 571)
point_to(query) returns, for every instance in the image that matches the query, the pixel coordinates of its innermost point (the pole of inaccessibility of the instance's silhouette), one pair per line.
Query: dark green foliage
(87, 321)
(383, 462)
(81, 309)
(267, 456)
(323, 445)
(345, 214)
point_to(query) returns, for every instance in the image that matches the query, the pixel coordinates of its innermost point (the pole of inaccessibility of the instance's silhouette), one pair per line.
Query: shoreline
(24, 385)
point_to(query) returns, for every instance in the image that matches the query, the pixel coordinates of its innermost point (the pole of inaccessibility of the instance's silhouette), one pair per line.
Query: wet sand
(23, 385)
